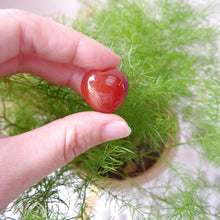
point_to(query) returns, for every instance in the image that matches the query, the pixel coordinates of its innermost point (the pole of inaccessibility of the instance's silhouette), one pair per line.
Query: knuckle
(74, 143)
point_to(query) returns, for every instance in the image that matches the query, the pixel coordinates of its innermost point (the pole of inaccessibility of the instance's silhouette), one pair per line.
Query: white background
(44, 7)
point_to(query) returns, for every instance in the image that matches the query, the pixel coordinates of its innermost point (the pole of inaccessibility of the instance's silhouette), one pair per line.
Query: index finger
(26, 33)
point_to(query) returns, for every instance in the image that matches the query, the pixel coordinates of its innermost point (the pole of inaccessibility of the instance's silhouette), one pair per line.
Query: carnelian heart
(104, 91)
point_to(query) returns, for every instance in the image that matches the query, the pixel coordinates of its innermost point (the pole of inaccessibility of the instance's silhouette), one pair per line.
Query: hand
(60, 55)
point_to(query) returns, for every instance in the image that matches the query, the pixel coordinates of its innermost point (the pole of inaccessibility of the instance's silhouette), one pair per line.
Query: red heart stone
(104, 91)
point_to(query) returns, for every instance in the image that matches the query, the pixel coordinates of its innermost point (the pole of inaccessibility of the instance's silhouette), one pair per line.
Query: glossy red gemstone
(104, 91)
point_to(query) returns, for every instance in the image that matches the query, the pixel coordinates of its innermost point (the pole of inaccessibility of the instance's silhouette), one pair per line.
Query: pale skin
(60, 55)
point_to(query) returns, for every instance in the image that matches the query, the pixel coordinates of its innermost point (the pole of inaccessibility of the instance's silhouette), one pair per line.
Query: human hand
(60, 55)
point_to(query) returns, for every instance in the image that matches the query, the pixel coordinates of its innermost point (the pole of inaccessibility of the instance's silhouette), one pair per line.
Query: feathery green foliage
(169, 55)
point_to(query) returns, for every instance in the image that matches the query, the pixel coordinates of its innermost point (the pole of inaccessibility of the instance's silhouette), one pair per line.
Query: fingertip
(115, 130)
(91, 54)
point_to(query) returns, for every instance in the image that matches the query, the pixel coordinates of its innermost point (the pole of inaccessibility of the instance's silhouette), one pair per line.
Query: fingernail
(115, 130)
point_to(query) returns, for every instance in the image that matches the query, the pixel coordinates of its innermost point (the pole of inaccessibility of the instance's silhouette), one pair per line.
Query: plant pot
(134, 174)
(155, 170)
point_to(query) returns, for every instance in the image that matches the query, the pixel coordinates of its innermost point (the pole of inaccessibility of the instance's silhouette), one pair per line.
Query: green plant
(169, 55)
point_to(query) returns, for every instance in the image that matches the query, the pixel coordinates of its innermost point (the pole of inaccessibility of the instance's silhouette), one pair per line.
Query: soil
(137, 168)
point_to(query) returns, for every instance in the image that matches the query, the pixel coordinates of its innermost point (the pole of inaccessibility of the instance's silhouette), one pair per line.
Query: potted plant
(169, 56)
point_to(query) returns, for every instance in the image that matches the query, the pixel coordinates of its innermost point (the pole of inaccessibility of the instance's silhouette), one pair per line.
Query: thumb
(27, 158)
